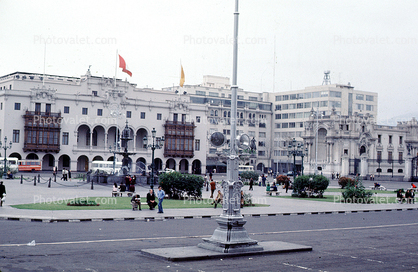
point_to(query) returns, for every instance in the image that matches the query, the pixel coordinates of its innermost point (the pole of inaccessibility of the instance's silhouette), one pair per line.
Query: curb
(151, 218)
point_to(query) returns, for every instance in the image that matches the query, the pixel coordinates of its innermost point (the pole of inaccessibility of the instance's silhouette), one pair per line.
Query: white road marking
(203, 236)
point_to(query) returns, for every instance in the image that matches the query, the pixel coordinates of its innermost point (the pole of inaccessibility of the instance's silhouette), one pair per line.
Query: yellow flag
(182, 78)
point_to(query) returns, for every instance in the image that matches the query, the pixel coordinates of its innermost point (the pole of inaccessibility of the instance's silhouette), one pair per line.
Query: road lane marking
(204, 236)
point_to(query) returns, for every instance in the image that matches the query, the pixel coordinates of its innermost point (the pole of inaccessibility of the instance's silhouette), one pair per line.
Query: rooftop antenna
(327, 78)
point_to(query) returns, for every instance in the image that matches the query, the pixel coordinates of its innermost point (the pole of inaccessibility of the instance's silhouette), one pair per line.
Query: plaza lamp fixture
(157, 143)
(295, 149)
(115, 150)
(5, 147)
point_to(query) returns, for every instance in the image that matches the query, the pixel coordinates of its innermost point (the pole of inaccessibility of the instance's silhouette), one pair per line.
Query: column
(345, 166)
(90, 140)
(364, 166)
(408, 168)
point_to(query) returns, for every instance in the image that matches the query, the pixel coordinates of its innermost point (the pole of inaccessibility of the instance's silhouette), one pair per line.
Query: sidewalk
(28, 193)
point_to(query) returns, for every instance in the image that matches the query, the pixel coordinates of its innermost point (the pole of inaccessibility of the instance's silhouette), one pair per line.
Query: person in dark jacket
(2, 192)
(151, 199)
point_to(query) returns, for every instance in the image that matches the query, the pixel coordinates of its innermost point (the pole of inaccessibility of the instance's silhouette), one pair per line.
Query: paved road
(374, 241)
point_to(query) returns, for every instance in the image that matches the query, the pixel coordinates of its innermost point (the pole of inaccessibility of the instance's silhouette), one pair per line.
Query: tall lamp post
(115, 150)
(157, 143)
(5, 147)
(295, 149)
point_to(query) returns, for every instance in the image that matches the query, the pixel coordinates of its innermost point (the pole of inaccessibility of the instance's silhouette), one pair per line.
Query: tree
(316, 184)
(177, 185)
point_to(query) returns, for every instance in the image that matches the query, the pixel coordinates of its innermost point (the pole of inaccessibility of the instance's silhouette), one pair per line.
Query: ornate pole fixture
(231, 236)
(115, 150)
(5, 147)
(157, 143)
(295, 149)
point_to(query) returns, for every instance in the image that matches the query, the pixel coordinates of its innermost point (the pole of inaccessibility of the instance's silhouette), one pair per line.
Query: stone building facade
(351, 145)
(70, 121)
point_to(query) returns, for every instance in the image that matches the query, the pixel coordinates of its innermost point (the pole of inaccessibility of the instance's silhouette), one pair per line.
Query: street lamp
(316, 113)
(5, 147)
(157, 143)
(115, 150)
(295, 149)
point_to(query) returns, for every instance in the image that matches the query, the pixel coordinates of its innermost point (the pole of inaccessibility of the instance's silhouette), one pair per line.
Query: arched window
(362, 149)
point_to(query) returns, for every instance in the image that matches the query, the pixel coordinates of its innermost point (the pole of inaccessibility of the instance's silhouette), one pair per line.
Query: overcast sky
(371, 44)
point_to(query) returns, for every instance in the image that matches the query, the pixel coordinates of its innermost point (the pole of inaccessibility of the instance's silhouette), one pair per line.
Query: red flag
(122, 64)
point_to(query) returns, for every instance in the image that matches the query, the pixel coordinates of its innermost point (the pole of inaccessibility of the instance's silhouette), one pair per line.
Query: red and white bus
(29, 165)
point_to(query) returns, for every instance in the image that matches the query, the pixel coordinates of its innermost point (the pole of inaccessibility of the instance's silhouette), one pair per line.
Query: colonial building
(254, 117)
(355, 144)
(70, 121)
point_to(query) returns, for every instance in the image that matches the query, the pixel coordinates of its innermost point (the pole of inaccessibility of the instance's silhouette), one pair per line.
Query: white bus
(11, 163)
(105, 167)
(244, 168)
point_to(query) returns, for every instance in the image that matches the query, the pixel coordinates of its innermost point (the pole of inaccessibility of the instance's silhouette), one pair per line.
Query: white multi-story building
(70, 121)
(254, 117)
(293, 108)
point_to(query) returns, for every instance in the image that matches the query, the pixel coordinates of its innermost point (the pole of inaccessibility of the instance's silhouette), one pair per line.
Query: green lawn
(339, 190)
(338, 199)
(119, 203)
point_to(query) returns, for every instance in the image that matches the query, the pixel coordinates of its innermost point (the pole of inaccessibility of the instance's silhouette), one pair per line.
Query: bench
(272, 192)
(381, 188)
(127, 193)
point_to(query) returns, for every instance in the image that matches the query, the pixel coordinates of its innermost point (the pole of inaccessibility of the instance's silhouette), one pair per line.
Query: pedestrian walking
(218, 199)
(212, 188)
(69, 175)
(2, 193)
(160, 196)
(286, 184)
(251, 185)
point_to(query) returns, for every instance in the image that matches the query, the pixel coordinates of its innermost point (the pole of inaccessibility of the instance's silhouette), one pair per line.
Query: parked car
(290, 173)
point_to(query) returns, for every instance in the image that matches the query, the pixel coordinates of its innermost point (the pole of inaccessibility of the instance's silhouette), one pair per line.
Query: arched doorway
(48, 162)
(141, 166)
(170, 164)
(260, 167)
(64, 162)
(32, 156)
(15, 155)
(184, 166)
(197, 167)
(83, 136)
(83, 164)
(99, 137)
(139, 137)
(98, 158)
(158, 164)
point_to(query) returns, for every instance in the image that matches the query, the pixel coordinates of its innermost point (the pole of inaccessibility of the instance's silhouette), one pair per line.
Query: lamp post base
(230, 237)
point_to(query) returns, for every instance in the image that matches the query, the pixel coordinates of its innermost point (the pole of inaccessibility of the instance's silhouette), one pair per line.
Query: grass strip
(118, 203)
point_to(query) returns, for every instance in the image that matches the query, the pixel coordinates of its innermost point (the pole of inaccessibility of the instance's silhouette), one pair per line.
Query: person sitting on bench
(136, 202)
(376, 185)
(399, 195)
(122, 187)
(151, 199)
(273, 187)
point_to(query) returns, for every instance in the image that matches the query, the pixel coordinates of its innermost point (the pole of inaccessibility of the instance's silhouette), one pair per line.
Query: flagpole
(116, 68)
(43, 78)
